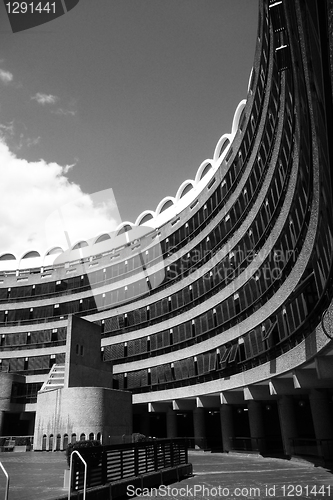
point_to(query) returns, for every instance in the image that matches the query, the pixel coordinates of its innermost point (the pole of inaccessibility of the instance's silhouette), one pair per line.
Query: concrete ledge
(118, 489)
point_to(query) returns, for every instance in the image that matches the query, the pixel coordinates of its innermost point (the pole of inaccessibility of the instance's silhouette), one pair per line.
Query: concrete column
(288, 423)
(171, 421)
(227, 426)
(322, 420)
(257, 429)
(199, 428)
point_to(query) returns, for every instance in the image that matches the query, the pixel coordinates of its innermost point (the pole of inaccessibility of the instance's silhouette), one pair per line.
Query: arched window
(166, 205)
(186, 190)
(99, 436)
(91, 436)
(58, 442)
(51, 442)
(145, 219)
(223, 147)
(73, 438)
(205, 170)
(80, 244)
(7, 256)
(103, 237)
(44, 442)
(54, 251)
(82, 437)
(124, 229)
(65, 442)
(31, 255)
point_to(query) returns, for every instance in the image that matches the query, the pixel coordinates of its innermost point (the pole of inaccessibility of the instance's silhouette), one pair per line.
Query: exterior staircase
(55, 379)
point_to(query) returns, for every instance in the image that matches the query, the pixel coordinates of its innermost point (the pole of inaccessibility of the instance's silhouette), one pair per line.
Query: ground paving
(39, 476)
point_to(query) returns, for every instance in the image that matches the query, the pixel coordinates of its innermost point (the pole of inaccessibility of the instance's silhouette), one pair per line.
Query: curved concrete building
(216, 309)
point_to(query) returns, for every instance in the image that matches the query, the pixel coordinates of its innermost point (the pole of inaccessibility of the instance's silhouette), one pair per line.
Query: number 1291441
(31, 8)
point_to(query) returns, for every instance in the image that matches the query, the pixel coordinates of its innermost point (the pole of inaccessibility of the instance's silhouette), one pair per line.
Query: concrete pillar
(288, 423)
(227, 426)
(199, 428)
(322, 420)
(171, 421)
(257, 429)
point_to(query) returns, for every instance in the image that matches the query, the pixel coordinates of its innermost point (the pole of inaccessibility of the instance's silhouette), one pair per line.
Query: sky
(128, 96)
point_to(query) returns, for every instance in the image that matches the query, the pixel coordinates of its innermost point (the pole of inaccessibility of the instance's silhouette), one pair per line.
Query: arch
(184, 188)
(99, 437)
(44, 440)
(82, 436)
(73, 438)
(124, 228)
(31, 255)
(65, 442)
(58, 442)
(7, 256)
(222, 146)
(205, 167)
(237, 116)
(80, 244)
(205, 171)
(166, 203)
(54, 251)
(144, 217)
(50, 442)
(103, 237)
(91, 436)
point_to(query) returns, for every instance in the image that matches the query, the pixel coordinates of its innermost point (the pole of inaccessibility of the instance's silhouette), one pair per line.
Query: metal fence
(319, 448)
(107, 464)
(8, 443)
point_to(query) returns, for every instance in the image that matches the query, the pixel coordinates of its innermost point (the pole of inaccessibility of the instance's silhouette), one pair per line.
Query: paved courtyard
(39, 476)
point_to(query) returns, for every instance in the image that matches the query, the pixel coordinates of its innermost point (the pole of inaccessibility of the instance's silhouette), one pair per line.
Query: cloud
(7, 130)
(5, 76)
(32, 192)
(32, 141)
(15, 138)
(45, 98)
(64, 112)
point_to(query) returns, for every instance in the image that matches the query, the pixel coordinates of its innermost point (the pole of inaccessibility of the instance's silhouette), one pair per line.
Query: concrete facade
(85, 406)
(216, 311)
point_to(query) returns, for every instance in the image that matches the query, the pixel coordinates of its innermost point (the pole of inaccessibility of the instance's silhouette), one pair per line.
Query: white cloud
(45, 98)
(33, 191)
(32, 141)
(5, 76)
(7, 129)
(64, 112)
(12, 135)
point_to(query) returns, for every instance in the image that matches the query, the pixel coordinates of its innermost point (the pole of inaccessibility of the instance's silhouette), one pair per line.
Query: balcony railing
(107, 464)
(314, 448)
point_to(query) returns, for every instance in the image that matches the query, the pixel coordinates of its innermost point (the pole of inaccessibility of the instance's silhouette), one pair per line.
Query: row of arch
(166, 209)
(60, 442)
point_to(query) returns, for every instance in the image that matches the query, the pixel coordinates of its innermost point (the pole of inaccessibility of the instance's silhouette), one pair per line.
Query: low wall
(124, 488)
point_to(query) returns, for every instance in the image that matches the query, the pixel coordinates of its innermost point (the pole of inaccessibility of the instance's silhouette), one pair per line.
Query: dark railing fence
(11, 441)
(321, 448)
(107, 464)
(307, 447)
(268, 444)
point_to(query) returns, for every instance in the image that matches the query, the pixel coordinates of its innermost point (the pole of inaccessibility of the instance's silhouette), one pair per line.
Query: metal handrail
(70, 475)
(7, 480)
